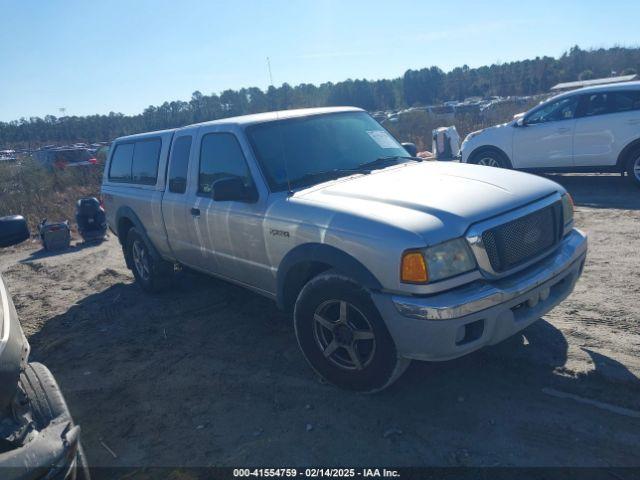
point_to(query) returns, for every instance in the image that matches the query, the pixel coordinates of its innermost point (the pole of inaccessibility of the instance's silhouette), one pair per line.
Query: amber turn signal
(413, 269)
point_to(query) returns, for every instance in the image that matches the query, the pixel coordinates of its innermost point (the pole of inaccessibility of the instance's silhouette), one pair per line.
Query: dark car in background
(63, 157)
(38, 438)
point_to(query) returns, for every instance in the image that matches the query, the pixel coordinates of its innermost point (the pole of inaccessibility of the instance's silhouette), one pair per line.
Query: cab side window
(221, 157)
(179, 164)
(563, 109)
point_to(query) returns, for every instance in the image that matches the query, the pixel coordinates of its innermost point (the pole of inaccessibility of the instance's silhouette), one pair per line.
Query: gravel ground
(210, 374)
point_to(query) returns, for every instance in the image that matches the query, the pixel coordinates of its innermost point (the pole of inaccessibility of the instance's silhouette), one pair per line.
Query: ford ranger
(380, 257)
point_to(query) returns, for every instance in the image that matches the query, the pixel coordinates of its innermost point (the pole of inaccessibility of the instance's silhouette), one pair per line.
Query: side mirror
(520, 122)
(411, 148)
(13, 230)
(232, 189)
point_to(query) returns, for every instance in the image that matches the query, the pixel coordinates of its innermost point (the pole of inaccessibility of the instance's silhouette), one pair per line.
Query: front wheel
(343, 337)
(633, 168)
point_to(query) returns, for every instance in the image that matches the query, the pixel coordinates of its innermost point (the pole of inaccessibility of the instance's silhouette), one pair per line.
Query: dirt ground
(210, 374)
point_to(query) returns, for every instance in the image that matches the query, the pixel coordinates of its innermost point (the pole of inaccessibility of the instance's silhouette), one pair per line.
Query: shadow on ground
(210, 374)
(600, 191)
(73, 247)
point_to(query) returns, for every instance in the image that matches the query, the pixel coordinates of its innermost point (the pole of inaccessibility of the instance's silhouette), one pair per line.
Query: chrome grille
(515, 242)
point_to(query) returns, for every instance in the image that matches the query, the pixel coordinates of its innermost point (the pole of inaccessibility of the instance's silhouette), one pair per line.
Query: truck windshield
(312, 149)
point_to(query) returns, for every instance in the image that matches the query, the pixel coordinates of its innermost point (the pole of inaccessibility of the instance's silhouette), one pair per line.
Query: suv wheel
(343, 336)
(490, 158)
(152, 274)
(633, 167)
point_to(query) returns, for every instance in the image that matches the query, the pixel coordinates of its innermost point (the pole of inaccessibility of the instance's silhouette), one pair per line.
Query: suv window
(179, 164)
(596, 104)
(120, 169)
(563, 109)
(625, 100)
(144, 167)
(221, 157)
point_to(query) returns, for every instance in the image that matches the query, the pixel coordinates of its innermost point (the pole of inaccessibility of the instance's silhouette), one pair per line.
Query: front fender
(319, 253)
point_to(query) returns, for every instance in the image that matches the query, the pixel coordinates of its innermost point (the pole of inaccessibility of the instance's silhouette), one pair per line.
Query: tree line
(426, 86)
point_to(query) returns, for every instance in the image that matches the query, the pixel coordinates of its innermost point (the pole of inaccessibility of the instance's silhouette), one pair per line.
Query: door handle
(195, 212)
(563, 129)
(633, 121)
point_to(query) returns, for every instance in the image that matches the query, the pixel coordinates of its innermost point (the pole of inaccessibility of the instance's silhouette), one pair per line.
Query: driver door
(545, 139)
(228, 236)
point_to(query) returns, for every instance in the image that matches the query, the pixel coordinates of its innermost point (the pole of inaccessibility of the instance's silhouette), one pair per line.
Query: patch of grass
(36, 192)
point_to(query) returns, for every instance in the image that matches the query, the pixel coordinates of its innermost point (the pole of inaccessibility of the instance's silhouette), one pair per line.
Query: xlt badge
(279, 233)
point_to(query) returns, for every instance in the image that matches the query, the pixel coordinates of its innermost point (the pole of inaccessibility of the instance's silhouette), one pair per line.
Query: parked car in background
(381, 257)
(595, 129)
(38, 438)
(63, 157)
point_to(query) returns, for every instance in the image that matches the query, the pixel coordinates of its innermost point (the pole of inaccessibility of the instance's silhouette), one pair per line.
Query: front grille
(513, 243)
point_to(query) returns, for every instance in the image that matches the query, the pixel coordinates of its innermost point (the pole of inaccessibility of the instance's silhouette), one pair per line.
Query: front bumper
(451, 324)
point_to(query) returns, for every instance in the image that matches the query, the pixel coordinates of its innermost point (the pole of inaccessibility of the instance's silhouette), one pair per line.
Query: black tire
(152, 273)
(376, 364)
(633, 167)
(13, 230)
(490, 158)
(47, 404)
(42, 390)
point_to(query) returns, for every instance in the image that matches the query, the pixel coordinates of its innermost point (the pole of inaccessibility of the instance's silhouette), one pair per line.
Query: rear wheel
(151, 273)
(490, 158)
(343, 337)
(633, 167)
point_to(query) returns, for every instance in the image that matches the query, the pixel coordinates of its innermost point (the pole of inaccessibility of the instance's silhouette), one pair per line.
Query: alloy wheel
(344, 335)
(141, 259)
(489, 162)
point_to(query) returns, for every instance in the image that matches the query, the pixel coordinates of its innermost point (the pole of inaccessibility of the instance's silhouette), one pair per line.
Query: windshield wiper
(382, 162)
(317, 177)
(363, 169)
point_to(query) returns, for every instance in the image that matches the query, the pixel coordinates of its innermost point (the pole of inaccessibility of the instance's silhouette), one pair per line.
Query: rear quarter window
(626, 100)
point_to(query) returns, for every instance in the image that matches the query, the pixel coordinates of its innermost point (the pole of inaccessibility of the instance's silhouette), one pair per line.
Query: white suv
(594, 129)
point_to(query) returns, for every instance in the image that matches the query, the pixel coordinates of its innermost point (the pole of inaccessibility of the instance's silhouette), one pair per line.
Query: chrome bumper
(481, 295)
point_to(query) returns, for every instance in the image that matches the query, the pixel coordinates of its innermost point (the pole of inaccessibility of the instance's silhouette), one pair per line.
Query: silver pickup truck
(380, 256)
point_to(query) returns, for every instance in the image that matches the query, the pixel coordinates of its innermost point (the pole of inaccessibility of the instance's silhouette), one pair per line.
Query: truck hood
(435, 200)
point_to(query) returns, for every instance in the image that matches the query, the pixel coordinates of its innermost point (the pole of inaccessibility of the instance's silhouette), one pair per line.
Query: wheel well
(490, 148)
(124, 225)
(297, 277)
(626, 151)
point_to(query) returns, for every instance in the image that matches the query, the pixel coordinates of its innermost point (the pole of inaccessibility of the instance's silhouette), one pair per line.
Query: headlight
(437, 263)
(567, 212)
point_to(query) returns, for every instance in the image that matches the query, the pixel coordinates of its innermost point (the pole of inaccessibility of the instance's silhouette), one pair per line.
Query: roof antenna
(282, 149)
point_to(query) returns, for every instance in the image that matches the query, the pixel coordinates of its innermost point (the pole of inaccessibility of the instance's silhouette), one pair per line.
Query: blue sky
(101, 56)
